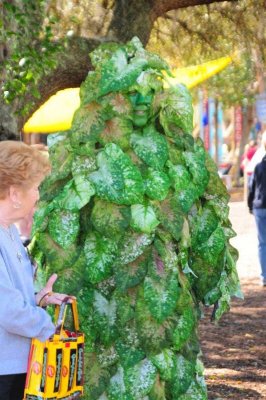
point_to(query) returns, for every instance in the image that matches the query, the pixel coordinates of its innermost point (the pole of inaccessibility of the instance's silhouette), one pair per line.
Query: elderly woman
(22, 317)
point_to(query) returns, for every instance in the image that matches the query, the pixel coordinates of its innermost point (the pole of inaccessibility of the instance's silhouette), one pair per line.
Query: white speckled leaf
(165, 363)
(161, 296)
(132, 245)
(105, 317)
(116, 389)
(156, 184)
(100, 253)
(151, 147)
(143, 218)
(63, 227)
(118, 180)
(75, 194)
(140, 378)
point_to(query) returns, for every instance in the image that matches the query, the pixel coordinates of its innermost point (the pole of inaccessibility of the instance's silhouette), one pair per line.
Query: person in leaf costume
(134, 220)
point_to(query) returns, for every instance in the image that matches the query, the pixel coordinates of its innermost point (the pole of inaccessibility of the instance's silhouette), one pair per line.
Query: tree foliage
(193, 35)
(28, 41)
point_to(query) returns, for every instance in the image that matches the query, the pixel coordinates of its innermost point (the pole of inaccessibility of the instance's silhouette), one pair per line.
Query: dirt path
(234, 352)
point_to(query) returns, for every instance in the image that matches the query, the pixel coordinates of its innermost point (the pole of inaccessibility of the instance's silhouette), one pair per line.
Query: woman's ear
(15, 196)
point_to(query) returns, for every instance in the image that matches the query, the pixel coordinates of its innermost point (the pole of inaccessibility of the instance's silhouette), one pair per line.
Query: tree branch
(160, 7)
(200, 34)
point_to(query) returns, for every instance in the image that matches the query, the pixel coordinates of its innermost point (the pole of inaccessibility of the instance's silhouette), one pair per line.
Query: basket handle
(60, 314)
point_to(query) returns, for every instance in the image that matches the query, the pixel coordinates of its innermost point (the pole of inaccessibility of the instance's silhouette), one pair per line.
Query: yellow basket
(56, 367)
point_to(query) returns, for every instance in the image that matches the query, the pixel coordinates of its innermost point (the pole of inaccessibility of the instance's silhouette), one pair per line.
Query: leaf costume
(134, 219)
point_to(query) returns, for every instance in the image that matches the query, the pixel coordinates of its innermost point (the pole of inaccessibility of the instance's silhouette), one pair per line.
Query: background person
(22, 317)
(250, 150)
(257, 206)
(257, 156)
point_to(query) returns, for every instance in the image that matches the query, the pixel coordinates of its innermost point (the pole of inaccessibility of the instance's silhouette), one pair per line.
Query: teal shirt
(20, 318)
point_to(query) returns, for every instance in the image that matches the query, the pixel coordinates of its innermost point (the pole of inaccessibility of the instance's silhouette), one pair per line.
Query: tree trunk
(8, 122)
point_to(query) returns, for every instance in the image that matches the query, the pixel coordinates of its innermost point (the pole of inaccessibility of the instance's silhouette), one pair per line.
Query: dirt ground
(234, 351)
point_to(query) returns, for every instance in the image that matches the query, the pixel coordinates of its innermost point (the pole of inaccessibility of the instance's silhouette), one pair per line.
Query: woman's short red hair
(21, 165)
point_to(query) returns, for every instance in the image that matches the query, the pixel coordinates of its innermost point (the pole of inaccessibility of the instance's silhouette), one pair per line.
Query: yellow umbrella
(57, 113)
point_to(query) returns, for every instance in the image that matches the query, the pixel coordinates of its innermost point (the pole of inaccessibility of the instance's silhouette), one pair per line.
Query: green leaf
(131, 246)
(151, 147)
(156, 184)
(161, 296)
(97, 378)
(103, 53)
(184, 328)
(118, 180)
(176, 109)
(203, 225)
(233, 279)
(148, 81)
(87, 123)
(169, 213)
(71, 278)
(83, 165)
(155, 62)
(116, 389)
(183, 374)
(153, 336)
(75, 194)
(220, 206)
(103, 397)
(55, 138)
(166, 252)
(140, 378)
(210, 250)
(110, 219)
(227, 286)
(107, 356)
(129, 354)
(208, 276)
(40, 219)
(117, 74)
(143, 218)
(186, 191)
(61, 158)
(196, 391)
(118, 104)
(164, 362)
(55, 256)
(64, 227)
(184, 199)
(117, 130)
(179, 175)
(131, 274)
(195, 162)
(104, 317)
(100, 254)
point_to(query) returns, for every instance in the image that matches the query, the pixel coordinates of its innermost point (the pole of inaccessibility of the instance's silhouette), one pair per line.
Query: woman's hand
(46, 296)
